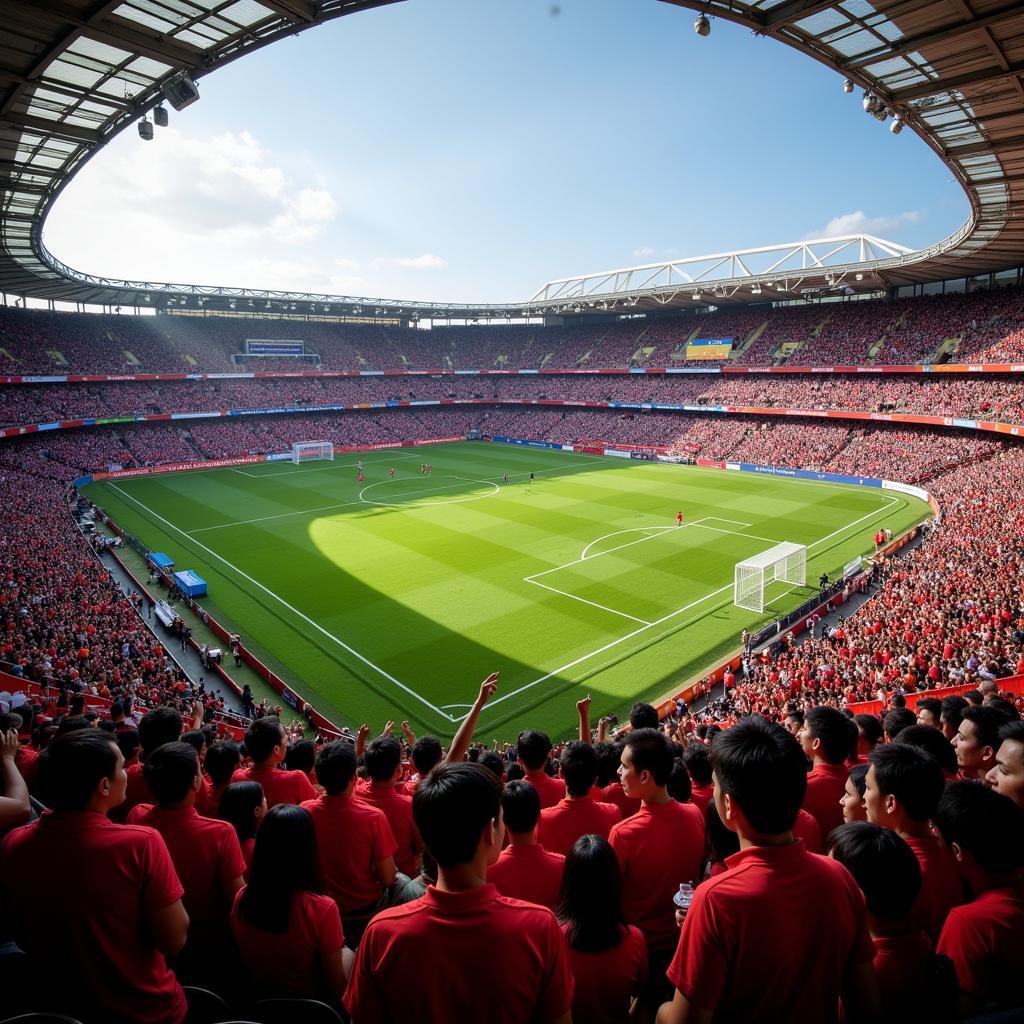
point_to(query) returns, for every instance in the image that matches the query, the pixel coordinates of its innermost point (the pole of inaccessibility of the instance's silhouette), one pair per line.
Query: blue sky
(469, 150)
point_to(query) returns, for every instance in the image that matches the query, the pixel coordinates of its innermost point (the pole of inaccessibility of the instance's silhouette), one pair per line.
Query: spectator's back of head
(989, 828)
(336, 766)
(870, 727)
(520, 803)
(826, 734)
(494, 763)
(931, 741)
(128, 741)
(263, 736)
(426, 754)
(72, 723)
(929, 712)
(882, 864)
(897, 720)
(608, 755)
(301, 756)
(1006, 707)
(697, 758)
(240, 804)
(157, 727)
(643, 716)
(579, 767)
(452, 807)
(221, 761)
(170, 772)
(591, 925)
(952, 712)
(907, 775)
(74, 766)
(382, 758)
(533, 748)
(679, 786)
(761, 769)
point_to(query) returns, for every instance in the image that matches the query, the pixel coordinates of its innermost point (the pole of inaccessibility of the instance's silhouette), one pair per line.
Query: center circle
(424, 504)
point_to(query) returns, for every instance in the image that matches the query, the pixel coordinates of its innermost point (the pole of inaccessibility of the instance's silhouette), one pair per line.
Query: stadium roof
(74, 73)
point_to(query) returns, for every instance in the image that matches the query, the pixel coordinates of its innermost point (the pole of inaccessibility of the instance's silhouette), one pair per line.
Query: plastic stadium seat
(206, 1007)
(296, 1011)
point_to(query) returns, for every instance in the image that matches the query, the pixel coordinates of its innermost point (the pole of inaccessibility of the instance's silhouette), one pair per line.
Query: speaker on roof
(181, 91)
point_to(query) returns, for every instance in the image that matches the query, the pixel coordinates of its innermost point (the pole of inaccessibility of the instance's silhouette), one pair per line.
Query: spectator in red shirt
(1007, 777)
(697, 758)
(525, 870)
(426, 755)
(608, 757)
(932, 742)
(607, 956)
(267, 745)
(159, 726)
(357, 850)
(533, 748)
(111, 931)
(985, 938)
(243, 806)
(383, 759)
(576, 814)
(221, 763)
(889, 875)
(742, 953)
(977, 740)
(903, 788)
(869, 735)
(951, 715)
(895, 721)
(853, 796)
(205, 852)
(465, 928)
(288, 932)
(929, 712)
(826, 737)
(659, 847)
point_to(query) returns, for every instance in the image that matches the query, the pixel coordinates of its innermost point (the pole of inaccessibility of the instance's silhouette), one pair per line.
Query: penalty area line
(295, 611)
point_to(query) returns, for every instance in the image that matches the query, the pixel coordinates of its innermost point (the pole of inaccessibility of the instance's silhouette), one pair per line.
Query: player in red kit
(391, 471)
(679, 519)
(361, 477)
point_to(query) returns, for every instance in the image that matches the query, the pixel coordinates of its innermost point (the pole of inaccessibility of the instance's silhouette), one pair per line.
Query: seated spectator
(383, 759)
(659, 847)
(458, 812)
(577, 814)
(222, 761)
(697, 758)
(267, 744)
(533, 748)
(977, 740)
(826, 740)
(902, 791)
(357, 850)
(608, 957)
(1007, 777)
(205, 852)
(157, 727)
(985, 937)
(853, 795)
(889, 875)
(525, 870)
(742, 953)
(121, 918)
(288, 932)
(243, 806)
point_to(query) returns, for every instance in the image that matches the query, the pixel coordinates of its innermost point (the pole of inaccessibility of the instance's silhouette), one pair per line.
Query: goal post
(308, 451)
(785, 562)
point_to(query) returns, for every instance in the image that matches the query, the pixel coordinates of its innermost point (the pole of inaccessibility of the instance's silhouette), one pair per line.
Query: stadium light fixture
(848, 86)
(181, 90)
(871, 102)
(146, 130)
(897, 126)
(160, 118)
(702, 26)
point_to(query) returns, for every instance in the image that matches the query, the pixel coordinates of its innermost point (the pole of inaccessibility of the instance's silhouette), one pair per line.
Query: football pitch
(394, 597)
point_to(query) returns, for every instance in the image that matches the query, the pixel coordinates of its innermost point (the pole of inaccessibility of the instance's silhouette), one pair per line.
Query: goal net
(307, 451)
(785, 562)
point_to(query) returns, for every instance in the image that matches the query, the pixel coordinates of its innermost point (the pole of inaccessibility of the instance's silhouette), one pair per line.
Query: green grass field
(395, 597)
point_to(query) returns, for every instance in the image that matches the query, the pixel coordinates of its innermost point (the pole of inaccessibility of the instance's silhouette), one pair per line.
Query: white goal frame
(786, 562)
(309, 451)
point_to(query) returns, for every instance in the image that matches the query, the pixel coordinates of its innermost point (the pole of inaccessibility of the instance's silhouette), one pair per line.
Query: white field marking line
(428, 504)
(593, 604)
(665, 618)
(719, 519)
(320, 469)
(701, 525)
(305, 618)
(636, 529)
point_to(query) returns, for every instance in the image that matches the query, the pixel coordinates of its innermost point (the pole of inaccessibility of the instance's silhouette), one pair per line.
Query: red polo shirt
(96, 929)
(279, 787)
(659, 847)
(289, 963)
(902, 966)
(747, 956)
(207, 857)
(615, 794)
(351, 836)
(528, 873)
(826, 784)
(138, 792)
(606, 982)
(397, 809)
(702, 795)
(548, 789)
(560, 826)
(941, 888)
(806, 828)
(448, 955)
(985, 941)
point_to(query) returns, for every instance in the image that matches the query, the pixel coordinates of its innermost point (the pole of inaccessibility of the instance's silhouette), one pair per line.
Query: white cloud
(643, 251)
(428, 261)
(858, 223)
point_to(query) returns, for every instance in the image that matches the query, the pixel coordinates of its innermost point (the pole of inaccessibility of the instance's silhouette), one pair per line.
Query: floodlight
(181, 91)
(871, 102)
(160, 118)
(146, 130)
(848, 86)
(702, 26)
(897, 126)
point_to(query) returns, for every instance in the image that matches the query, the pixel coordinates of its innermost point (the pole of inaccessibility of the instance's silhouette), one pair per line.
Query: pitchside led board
(709, 348)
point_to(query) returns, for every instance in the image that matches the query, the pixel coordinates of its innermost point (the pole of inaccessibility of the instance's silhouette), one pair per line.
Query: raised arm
(14, 804)
(463, 738)
(583, 710)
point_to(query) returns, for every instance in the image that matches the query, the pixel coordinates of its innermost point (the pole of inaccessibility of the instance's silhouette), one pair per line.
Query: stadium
(765, 493)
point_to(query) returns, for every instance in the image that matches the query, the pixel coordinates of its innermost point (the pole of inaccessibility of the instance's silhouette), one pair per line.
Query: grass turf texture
(393, 598)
